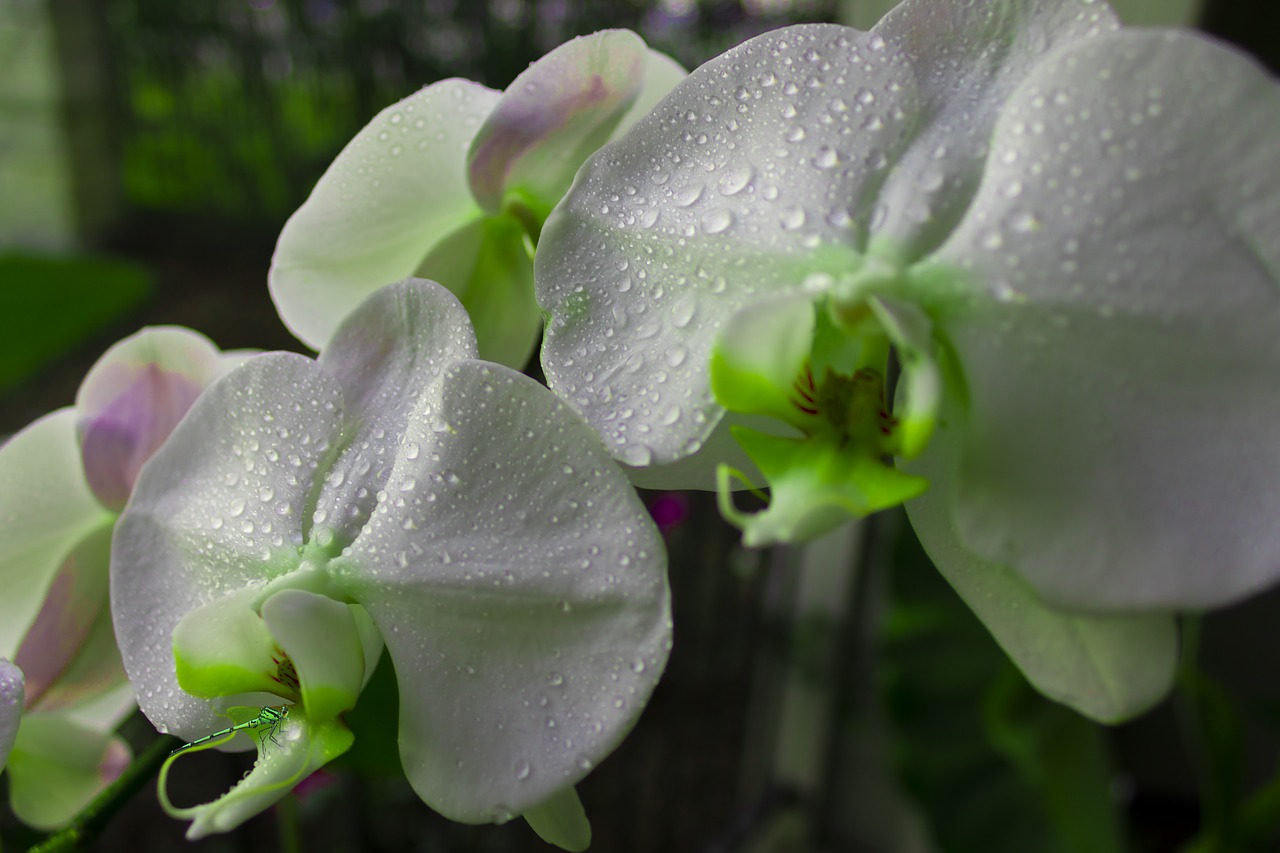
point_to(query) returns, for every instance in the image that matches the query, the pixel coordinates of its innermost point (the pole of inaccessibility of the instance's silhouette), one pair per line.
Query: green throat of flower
(817, 370)
(281, 641)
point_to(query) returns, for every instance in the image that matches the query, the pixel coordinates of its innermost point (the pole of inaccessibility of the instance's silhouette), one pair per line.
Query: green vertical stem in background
(287, 825)
(1211, 732)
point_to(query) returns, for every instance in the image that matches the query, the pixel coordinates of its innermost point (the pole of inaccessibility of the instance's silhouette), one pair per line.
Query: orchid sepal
(561, 821)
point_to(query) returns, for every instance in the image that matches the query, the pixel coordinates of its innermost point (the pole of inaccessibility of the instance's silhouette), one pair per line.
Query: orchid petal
(745, 180)
(224, 504)
(559, 110)
(225, 649)
(104, 709)
(395, 191)
(11, 701)
(1119, 332)
(698, 470)
(525, 632)
(69, 654)
(967, 59)
(919, 392)
(815, 485)
(132, 398)
(94, 688)
(45, 508)
(384, 355)
(499, 297)
(1109, 667)
(76, 597)
(58, 766)
(661, 75)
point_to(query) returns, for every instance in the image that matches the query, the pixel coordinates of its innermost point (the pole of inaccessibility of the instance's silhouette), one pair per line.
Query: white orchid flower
(452, 183)
(1069, 235)
(63, 480)
(397, 490)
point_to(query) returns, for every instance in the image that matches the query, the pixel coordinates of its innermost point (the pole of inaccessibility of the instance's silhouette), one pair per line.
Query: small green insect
(269, 717)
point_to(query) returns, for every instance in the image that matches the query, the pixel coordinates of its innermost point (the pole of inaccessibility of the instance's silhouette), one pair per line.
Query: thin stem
(287, 825)
(89, 823)
(1212, 735)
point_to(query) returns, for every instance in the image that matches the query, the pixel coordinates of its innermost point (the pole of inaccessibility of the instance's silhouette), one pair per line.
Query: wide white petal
(661, 75)
(557, 112)
(521, 590)
(967, 58)
(385, 355)
(58, 765)
(69, 653)
(224, 504)
(395, 191)
(748, 177)
(1119, 344)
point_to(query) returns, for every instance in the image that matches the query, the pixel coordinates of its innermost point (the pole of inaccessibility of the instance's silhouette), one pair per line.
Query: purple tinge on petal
(518, 125)
(74, 601)
(119, 438)
(560, 109)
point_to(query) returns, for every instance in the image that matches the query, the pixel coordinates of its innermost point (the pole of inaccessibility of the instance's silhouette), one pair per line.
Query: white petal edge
(11, 695)
(968, 58)
(385, 355)
(395, 191)
(1109, 667)
(1121, 336)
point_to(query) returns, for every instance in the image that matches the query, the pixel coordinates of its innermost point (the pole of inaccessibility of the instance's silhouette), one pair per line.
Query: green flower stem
(89, 823)
(290, 836)
(1211, 729)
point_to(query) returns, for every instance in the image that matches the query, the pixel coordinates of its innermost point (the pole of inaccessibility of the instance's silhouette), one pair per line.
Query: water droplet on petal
(717, 221)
